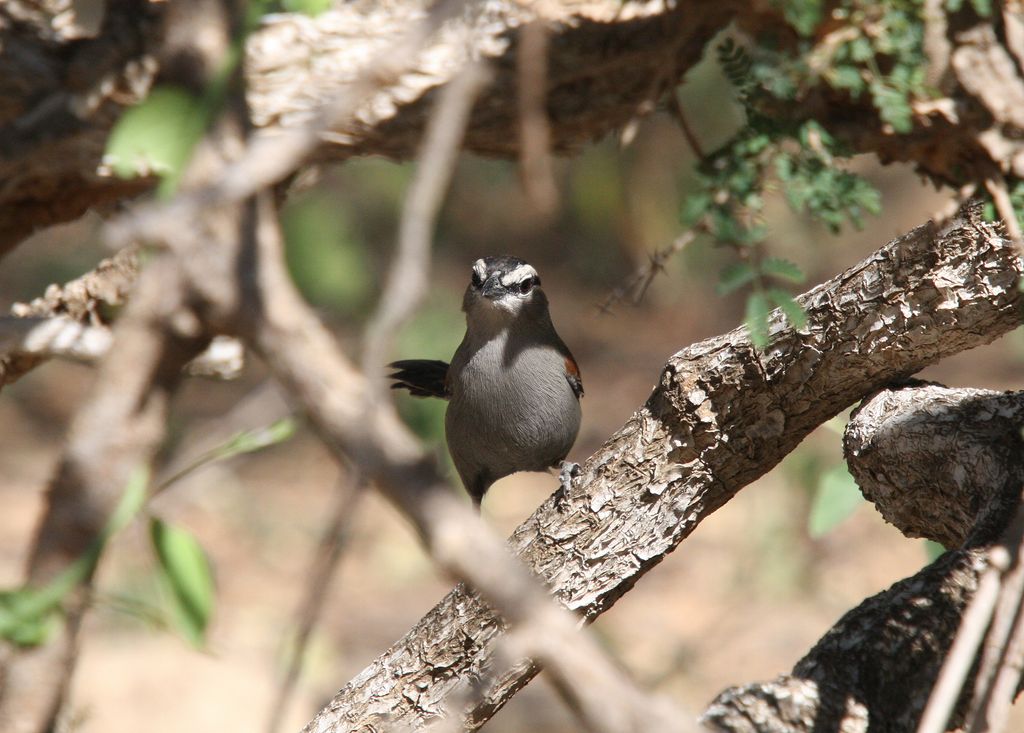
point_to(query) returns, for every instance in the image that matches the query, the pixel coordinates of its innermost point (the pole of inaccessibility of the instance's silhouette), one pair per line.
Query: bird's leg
(567, 471)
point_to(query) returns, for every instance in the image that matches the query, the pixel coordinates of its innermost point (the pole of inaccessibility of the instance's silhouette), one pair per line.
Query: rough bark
(80, 300)
(940, 463)
(722, 415)
(875, 667)
(62, 91)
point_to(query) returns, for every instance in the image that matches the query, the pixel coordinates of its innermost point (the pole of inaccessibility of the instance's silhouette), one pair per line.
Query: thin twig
(636, 286)
(535, 164)
(951, 208)
(410, 273)
(996, 186)
(675, 107)
(990, 701)
(318, 581)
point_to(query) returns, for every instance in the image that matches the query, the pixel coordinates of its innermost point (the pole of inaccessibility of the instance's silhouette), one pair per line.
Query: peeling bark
(721, 416)
(940, 463)
(81, 300)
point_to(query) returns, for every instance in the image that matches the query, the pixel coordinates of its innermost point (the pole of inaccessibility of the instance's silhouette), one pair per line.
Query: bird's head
(503, 289)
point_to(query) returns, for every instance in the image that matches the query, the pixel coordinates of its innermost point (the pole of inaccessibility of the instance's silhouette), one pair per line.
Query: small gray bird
(513, 387)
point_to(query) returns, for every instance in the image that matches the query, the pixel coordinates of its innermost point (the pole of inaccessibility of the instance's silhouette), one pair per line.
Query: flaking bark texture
(945, 464)
(873, 670)
(721, 415)
(82, 299)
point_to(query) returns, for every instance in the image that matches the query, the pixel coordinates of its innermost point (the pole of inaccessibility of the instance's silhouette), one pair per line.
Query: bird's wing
(572, 374)
(422, 377)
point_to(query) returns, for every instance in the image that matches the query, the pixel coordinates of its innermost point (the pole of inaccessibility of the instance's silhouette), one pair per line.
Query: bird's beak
(493, 289)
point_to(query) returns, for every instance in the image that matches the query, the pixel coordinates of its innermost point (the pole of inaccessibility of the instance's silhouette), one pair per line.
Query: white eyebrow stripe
(480, 268)
(518, 275)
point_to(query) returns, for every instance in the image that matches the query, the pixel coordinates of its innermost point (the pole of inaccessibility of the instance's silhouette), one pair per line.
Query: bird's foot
(566, 473)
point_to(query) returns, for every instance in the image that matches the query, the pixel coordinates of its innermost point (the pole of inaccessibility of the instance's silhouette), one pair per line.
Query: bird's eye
(527, 285)
(478, 279)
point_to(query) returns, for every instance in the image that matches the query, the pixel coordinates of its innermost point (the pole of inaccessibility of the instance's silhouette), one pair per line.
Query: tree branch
(937, 462)
(722, 415)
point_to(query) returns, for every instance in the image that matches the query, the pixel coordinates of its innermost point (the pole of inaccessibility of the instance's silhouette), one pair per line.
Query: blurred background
(741, 600)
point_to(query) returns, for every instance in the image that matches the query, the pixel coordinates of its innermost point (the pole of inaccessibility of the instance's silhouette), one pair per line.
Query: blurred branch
(269, 159)
(122, 423)
(49, 337)
(116, 430)
(410, 272)
(955, 670)
(30, 337)
(318, 581)
(999, 674)
(535, 164)
(25, 343)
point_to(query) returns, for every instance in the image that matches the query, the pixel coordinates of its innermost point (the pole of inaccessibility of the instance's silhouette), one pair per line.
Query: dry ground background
(741, 600)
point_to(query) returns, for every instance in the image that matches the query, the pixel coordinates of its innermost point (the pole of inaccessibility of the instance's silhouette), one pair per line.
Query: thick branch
(939, 462)
(721, 416)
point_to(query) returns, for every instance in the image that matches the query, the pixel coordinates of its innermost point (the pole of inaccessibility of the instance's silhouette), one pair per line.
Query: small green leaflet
(790, 308)
(186, 572)
(836, 498)
(735, 276)
(247, 441)
(756, 318)
(782, 269)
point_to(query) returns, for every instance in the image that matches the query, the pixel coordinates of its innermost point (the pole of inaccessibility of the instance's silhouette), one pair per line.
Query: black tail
(422, 377)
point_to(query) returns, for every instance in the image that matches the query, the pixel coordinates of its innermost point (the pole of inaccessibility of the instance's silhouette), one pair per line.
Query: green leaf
(846, 77)
(735, 276)
(756, 319)
(187, 574)
(836, 498)
(307, 7)
(157, 136)
(694, 208)
(803, 15)
(790, 308)
(247, 441)
(782, 269)
(893, 106)
(29, 615)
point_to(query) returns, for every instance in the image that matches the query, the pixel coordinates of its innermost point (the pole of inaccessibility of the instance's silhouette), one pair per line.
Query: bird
(513, 387)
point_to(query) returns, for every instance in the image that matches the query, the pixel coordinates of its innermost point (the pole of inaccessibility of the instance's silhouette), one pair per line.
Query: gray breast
(509, 411)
